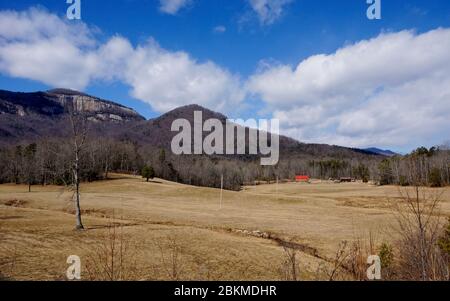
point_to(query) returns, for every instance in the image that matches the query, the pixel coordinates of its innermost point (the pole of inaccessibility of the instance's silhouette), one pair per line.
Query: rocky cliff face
(56, 102)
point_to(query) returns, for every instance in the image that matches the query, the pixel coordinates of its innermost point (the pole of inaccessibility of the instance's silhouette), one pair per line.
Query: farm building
(301, 178)
(346, 180)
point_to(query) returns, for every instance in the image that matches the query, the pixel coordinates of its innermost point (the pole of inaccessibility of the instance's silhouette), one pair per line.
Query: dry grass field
(168, 231)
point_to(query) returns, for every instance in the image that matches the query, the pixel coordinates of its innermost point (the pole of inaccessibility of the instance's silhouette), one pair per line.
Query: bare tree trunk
(106, 170)
(76, 171)
(80, 130)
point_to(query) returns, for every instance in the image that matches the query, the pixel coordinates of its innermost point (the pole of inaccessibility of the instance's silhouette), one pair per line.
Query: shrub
(435, 178)
(403, 181)
(148, 173)
(386, 254)
(444, 241)
(419, 255)
(362, 172)
(113, 257)
(386, 177)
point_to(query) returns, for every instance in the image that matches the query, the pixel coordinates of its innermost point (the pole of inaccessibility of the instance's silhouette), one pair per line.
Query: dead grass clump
(91, 212)
(8, 262)
(367, 202)
(350, 261)
(170, 253)
(359, 251)
(290, 266)
(113, 258)
(15, 203)
(337, 272)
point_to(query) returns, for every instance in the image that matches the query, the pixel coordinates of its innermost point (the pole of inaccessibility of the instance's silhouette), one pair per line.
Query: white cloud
(269, 11)
(390, 90)
(45, 48)
(36, 24)
(40, 46)
(220, 29)
(172, 7)
(170, 79)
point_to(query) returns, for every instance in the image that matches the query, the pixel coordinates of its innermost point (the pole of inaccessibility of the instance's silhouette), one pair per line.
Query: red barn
(302, 178)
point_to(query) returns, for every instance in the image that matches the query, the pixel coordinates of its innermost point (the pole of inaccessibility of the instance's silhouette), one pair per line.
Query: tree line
(50, 161)
(425, 167)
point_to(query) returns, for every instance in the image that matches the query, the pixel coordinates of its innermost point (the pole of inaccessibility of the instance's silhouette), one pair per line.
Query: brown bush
(290, 266)
(113, 257)
(419, 227)
(171, 251)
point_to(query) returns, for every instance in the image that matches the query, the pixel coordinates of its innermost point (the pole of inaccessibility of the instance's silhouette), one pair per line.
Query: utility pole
(276, 189)
(221, 191)
(277, 186)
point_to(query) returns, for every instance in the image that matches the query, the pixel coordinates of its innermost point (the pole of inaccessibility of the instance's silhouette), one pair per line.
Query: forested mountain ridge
(384, 152)
(30, 116)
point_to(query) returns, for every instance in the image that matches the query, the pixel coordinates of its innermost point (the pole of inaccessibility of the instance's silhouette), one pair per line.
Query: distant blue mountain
(387, 153)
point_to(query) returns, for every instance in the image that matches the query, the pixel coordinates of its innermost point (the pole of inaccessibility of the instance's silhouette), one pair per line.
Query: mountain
(55, 103)
(31, 116)
(157, 132)
(387, 153)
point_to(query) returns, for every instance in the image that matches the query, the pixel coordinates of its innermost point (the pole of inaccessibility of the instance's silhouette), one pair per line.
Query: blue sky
(248, 48)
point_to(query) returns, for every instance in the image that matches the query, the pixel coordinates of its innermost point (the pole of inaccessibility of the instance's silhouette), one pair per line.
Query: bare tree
(171, 262)
(113, 257)
(339, 260)
(30, 164)
(80, 128)
(290, 270)
(418, 216)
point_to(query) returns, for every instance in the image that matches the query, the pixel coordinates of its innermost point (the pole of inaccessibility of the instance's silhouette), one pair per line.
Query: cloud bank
(385, 91)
